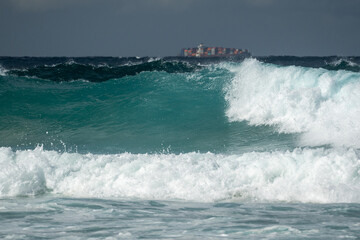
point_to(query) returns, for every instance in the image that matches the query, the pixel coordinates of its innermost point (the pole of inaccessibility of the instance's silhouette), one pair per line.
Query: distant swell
(329, 63)
(76, 71)
(343, 64)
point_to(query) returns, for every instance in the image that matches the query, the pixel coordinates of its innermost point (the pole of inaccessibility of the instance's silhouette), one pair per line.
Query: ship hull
(210, 59)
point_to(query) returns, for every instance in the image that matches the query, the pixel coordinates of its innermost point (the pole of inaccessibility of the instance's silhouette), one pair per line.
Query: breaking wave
(302, 175)
(322, 105)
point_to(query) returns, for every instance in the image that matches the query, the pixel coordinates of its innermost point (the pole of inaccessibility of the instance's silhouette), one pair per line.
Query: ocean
(162, 148)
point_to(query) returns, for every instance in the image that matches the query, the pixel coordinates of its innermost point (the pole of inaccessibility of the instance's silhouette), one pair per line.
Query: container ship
(214, 52)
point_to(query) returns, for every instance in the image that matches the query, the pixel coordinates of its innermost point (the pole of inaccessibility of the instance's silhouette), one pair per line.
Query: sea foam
(323, 105)
(302, 175)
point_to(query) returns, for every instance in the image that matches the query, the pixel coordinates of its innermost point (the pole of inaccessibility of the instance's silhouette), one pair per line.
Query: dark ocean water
(128, 148)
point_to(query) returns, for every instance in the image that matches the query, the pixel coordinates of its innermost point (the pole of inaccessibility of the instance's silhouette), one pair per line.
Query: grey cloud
(43, 5)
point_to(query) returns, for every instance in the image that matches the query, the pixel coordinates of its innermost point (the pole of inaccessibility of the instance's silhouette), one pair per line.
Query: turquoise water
(147, 148)
(150, 112)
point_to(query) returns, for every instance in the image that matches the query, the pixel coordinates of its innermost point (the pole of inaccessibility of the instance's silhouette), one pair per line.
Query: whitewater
(127, 148)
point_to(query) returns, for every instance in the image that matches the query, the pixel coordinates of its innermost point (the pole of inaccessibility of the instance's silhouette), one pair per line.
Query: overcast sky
(163, 27)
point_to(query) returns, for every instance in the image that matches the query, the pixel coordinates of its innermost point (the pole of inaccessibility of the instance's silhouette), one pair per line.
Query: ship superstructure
(204, 51)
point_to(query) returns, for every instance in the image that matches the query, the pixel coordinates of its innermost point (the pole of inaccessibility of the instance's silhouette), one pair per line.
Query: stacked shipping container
(202, 51)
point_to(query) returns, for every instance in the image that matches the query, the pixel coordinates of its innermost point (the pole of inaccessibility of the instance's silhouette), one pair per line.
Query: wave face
(255, 130)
